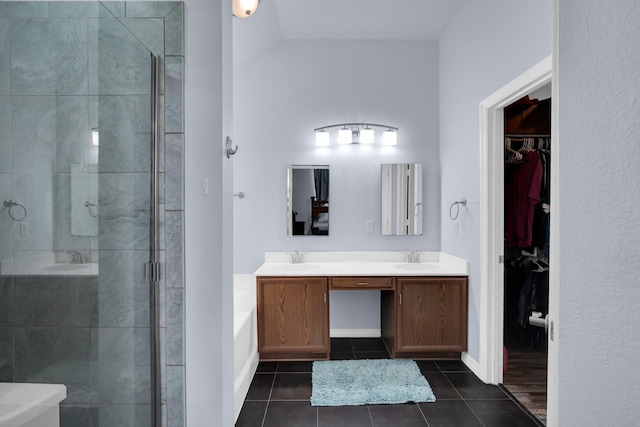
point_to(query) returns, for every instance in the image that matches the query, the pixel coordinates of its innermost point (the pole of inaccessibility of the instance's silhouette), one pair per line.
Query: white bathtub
(245, 336)
(31, 405)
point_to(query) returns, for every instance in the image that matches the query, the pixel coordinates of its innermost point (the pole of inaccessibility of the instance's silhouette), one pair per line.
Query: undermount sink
(68, 267)
(412, 266)
(300, 267)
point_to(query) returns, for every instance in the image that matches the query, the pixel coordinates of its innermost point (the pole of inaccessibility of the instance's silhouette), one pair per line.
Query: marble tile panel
(121, 298)
(125, 133)
(175, 396)
(75, 9)
(33, 142)
(149, 9)
(175, 249)
(49, 57)
(34, 192)
(175, 326)
(23, 9)
(6, 301)
(7, 357)
(77, 415)
(123, 415)
(63, 239)
(174, 187)
(173, 31)
(6, 261)
(121, 374)
(73, 139)
(6, 223)
(5, 133)
(113, 8)
(5, 57)
(149, 31)
(52, 301)
(174, 93)
(124, 211)
(118, 63)
(55, 355)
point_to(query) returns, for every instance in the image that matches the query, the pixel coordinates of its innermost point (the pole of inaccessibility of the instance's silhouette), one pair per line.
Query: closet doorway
(492, 190)
(527, 185)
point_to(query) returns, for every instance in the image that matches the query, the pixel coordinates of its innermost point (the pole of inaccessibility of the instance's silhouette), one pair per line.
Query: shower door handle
(151, 271)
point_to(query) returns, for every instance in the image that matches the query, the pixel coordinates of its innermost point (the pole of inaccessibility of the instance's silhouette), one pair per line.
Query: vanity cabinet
(293, 318)
(426, 317)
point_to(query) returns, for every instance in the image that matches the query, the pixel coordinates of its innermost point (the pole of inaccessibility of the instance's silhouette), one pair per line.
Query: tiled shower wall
(40, 313)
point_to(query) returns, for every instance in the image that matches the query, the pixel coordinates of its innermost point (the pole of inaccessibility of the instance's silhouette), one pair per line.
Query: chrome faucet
(413, 257)
(297, 257)
(77, 257)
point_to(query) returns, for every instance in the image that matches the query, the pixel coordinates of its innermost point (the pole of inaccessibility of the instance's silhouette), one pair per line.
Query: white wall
(487, 45)
(208, 232)
(285, 92)
(281, 95)
(599, 146)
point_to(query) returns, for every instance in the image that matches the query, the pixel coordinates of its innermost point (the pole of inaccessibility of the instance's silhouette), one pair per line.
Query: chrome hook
(230, 151)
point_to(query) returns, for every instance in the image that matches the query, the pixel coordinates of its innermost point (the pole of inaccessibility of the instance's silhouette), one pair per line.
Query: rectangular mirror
(401, 199)
(308, 200)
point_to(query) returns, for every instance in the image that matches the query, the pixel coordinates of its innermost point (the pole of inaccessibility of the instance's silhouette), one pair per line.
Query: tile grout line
(266, 408)
(462, 398)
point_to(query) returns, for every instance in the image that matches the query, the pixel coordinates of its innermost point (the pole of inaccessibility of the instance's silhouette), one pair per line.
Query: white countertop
(362, 264)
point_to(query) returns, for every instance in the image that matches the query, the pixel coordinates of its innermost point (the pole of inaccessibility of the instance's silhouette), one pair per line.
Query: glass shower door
(76, 155)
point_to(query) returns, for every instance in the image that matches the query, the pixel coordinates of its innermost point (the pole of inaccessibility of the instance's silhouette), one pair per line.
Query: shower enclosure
(79, 241)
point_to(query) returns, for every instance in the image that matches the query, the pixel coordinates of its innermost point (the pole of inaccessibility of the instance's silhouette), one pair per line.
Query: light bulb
(345, 136)
(390, 137)
(322, 138)
(366, 136)
(244, 8)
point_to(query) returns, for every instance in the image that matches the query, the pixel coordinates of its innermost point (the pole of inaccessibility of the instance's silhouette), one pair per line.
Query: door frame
(492, 214)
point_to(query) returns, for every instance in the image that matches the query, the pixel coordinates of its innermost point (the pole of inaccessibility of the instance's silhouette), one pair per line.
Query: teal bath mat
(368, 382)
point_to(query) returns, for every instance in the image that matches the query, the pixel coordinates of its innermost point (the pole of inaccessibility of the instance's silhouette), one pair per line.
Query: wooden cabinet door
(431, 314)
(293, 318)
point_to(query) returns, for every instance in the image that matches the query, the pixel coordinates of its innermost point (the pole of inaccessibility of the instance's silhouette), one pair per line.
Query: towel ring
(457, 204)
(11, 204)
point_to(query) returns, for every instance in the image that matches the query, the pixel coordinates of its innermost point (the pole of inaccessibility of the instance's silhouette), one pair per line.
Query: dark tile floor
(280, 391)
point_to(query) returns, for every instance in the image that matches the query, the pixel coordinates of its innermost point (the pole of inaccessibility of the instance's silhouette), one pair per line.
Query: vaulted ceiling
(277, 20)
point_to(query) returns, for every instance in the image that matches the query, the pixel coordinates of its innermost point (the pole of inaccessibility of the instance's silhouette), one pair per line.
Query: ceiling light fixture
(244, 8)
(356, 133)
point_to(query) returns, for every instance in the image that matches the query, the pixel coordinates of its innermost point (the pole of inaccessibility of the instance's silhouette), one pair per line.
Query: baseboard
(355, 333)
(472, 365)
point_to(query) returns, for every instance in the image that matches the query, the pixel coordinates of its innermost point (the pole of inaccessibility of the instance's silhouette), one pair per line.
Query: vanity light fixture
(244, 8)
(356, 133)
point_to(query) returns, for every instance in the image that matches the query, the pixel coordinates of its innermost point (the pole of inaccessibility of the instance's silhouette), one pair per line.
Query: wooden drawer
(362, 283)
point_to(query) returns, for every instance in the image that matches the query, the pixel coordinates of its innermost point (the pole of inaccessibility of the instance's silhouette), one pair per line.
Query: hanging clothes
(522, 194)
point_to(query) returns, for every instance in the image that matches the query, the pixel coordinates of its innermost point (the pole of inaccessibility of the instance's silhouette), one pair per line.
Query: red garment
(522, 194)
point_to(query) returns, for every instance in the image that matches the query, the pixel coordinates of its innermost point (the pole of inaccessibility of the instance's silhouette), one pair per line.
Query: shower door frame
(152, 268)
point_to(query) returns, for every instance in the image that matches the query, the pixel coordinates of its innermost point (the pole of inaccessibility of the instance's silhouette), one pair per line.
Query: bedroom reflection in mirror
(308, 200)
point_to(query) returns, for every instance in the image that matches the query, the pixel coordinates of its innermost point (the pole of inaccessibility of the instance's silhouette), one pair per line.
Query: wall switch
(24, 229)
(368, 226)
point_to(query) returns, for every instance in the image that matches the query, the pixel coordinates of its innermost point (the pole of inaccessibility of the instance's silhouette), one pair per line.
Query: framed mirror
(308, 200)
(401, 199)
